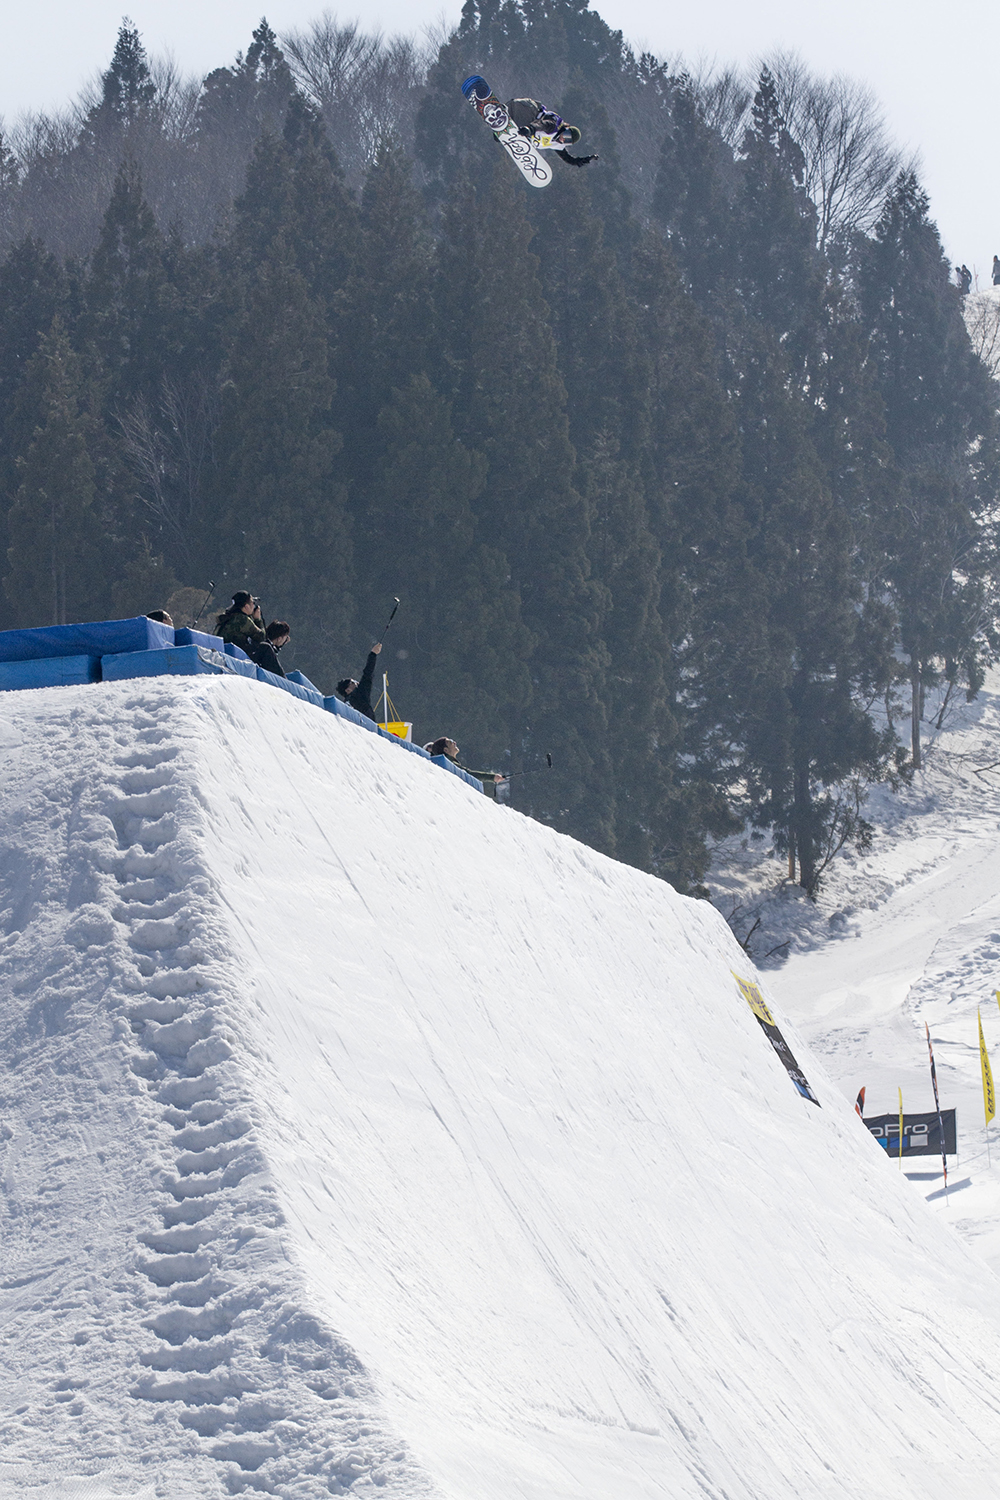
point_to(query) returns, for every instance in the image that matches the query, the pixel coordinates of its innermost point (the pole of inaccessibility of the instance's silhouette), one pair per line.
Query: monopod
(534, 770)
(207, 601)
(390, 619)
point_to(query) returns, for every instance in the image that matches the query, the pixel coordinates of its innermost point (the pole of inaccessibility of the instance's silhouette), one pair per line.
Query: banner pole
(937, 1105)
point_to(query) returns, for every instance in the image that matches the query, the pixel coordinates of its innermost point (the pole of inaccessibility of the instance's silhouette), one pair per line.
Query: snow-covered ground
(908, 934)
(359, 1136)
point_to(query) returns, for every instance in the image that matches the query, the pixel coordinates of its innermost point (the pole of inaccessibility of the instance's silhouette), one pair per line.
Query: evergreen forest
(684, 469)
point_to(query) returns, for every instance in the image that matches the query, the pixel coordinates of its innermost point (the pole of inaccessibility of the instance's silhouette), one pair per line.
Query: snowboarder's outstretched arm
(577, 161)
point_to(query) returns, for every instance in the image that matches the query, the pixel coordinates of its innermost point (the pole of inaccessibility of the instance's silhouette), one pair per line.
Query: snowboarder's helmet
(572, 132)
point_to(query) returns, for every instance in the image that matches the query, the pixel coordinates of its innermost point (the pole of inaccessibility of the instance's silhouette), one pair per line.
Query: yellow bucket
(401, 730)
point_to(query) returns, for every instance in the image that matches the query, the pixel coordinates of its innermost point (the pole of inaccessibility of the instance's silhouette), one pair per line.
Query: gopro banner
(752, 995)
(921, 1133)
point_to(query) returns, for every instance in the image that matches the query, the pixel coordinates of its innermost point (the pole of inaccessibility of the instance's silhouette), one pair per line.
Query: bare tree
(725, 100)
(850, 160)
(168, 447)
(982, 319)
(365, 86)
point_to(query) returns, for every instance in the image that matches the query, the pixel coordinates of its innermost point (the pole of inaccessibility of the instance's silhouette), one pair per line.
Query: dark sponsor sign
(921, 1133)
(752, 995)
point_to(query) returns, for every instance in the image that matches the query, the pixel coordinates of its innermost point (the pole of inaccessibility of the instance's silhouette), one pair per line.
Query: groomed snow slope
(360, 1136)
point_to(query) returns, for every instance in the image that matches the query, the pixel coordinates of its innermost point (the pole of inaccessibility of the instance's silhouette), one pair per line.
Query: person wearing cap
(446, 747)
(359, 694)
(546, 130)
(241, 624)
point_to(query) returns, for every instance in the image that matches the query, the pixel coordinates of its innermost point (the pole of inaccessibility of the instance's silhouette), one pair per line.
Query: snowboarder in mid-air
(525, 128)
(546, 130)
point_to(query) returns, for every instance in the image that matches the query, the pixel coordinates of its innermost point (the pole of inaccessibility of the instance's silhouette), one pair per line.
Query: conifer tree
(706, 612)
(941, 424)
(33, 290)
(238, 104)
(694, 198)
(53, 556)
(608, 377)
(126, 290)
(498, 365)
(458, 648)
(782, 275)
(127, 91)
(278, 513)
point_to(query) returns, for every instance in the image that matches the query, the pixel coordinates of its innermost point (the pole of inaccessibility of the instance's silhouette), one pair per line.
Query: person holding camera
(241, 624)
(359, 694)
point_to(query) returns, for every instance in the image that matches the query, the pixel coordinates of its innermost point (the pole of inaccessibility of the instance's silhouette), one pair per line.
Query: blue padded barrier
(413, 749)
(199, 638)
(303, 681)
(56, 671)
(308, 695)
(449, 765)
(100, 638)
(345, 711)
(179, 661)
(236, 652)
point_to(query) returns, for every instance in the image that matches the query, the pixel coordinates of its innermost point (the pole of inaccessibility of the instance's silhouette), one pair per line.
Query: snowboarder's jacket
(361, 698)
(241, 630)
(533, 119)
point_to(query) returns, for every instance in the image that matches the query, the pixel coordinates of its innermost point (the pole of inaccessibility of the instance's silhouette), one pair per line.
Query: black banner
(752, 995)
(921, 1133)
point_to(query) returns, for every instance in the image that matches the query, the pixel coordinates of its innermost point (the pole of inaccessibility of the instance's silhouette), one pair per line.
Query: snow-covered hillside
(359, 1136)
(907, 934)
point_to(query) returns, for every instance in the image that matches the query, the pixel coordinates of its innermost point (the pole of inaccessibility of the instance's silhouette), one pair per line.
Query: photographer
(241, 624)
(359, 694)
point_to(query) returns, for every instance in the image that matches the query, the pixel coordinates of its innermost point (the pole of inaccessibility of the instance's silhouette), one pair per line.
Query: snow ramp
(361, 1137)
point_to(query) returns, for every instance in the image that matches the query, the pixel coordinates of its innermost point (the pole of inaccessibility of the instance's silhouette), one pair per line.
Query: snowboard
(521, 151)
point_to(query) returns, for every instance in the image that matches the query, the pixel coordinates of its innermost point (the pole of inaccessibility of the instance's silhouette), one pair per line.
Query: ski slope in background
(908, 934)
(361, 1137)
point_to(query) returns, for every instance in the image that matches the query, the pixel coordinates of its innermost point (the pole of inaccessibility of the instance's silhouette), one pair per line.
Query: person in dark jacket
(546, 130)
(964, 280)
(265, 653)
(446, 747)
(359, 694)
(996, 270)
(241, 624)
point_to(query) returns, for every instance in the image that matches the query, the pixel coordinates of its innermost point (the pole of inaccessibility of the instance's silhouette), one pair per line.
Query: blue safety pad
(179, 661)
(345, 711)
(409, 745)
(58, 671)
(308, 695)
(303, 681)
(199, 638)
(449, 765)
(100, 638)
(236, 652)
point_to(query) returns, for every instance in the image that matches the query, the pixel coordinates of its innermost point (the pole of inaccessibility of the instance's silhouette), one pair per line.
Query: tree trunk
(803, 841)
(915, 696)
(791, 856)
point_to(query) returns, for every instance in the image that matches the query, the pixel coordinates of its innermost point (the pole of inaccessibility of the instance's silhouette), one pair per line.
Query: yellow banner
(752, 995)
(989, 1097)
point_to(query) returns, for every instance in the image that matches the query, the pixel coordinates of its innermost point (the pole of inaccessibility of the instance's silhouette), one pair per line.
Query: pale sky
(934, 69)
